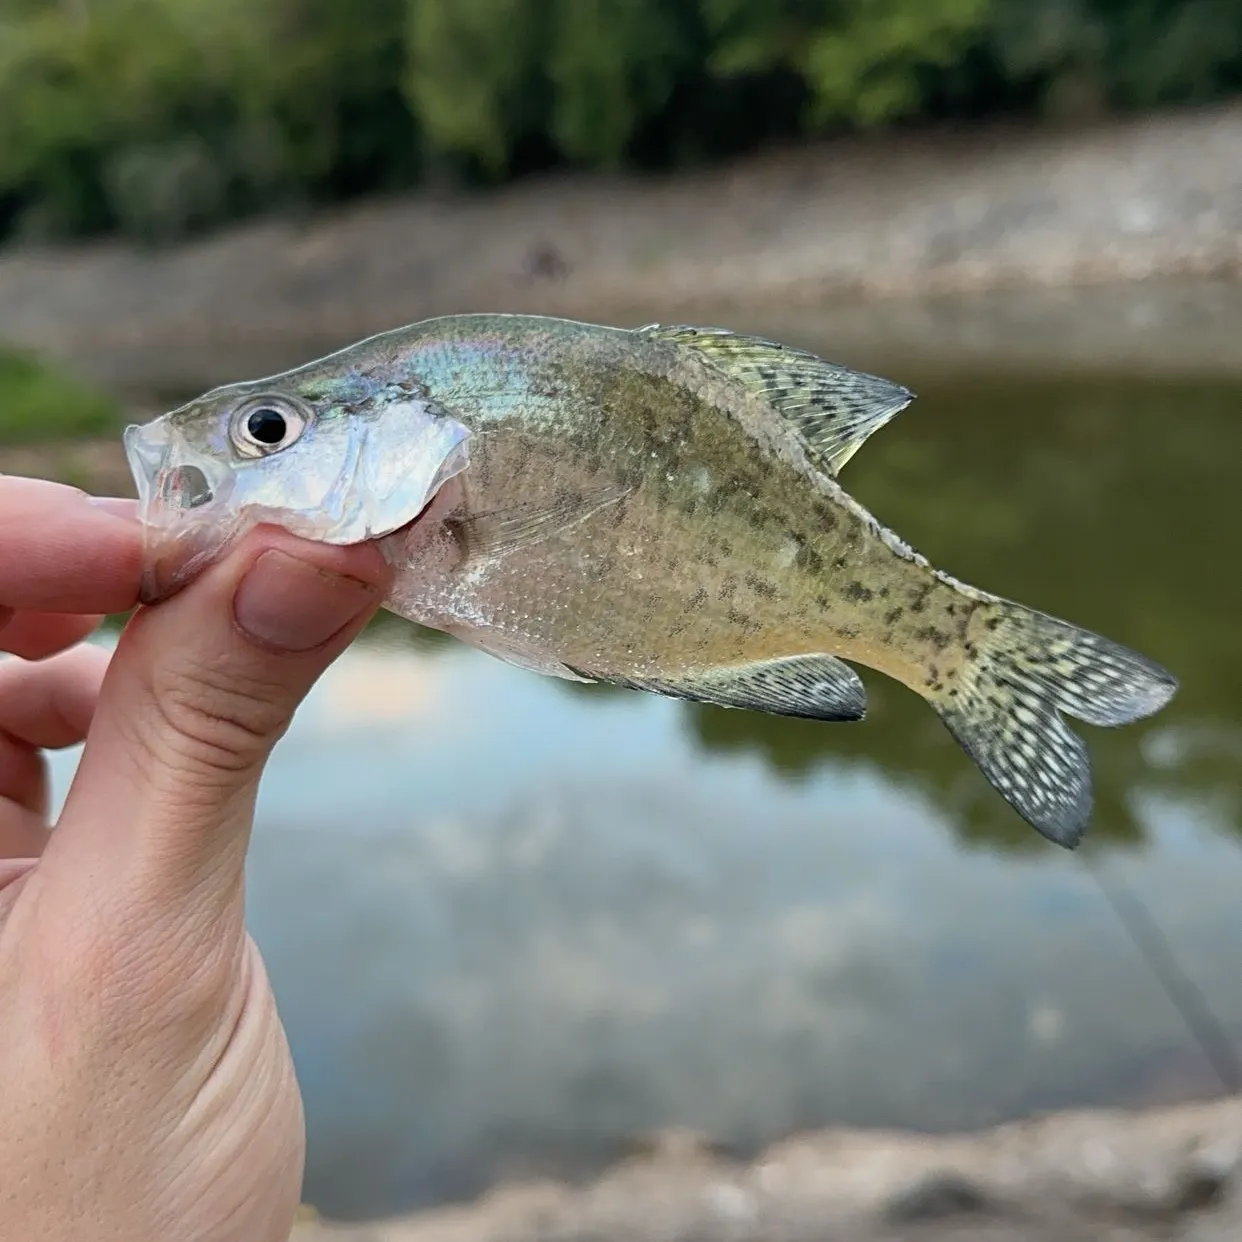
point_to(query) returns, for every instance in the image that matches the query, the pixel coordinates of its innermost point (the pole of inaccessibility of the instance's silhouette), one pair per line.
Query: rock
(937, 1197)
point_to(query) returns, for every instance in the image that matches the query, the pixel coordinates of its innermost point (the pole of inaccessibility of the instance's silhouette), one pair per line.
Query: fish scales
(650, 587)
(660, 508)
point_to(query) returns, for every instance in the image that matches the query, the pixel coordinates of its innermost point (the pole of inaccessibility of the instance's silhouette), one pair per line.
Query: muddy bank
(1077, 1177)
(1004, 245)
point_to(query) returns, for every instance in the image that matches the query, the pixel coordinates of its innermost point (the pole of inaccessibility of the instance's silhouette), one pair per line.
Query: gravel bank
(1174, 1174)
(858, 241)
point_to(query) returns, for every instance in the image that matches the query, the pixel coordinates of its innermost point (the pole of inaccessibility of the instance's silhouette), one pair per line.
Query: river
(513, 922)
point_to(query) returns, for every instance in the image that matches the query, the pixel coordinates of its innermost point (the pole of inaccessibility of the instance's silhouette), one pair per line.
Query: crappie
(658, 508)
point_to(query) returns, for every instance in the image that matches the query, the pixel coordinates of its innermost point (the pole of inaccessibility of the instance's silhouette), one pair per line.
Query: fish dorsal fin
(832, 408)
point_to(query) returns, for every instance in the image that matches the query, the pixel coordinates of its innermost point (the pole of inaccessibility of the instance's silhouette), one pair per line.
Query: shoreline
(1095, 1176)
(1006, 246)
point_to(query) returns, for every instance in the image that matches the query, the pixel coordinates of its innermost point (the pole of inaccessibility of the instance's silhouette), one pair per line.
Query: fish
(659, 508)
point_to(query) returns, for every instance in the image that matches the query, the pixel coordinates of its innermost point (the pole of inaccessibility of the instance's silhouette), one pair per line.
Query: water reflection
(511, 926)
(511, 921)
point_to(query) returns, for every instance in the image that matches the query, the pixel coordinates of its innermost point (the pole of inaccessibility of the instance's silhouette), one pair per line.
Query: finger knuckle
(210, 717)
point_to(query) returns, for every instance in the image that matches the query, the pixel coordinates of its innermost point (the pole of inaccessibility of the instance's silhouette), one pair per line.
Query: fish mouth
(182, 497)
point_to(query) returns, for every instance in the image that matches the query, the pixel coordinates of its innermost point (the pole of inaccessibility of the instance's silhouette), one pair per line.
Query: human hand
(146, 1088)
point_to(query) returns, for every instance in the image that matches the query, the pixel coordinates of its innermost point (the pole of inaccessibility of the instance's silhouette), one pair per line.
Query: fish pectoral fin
(832, 408)
(814, 687)
(500, 531)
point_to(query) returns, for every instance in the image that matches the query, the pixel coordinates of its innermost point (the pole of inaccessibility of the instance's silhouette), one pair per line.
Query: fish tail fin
(1024, 672)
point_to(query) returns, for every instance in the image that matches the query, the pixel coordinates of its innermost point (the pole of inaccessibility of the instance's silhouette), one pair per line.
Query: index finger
(64, 551)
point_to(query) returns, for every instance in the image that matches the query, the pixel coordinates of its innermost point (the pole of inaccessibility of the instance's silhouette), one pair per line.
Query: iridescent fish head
(336, 461)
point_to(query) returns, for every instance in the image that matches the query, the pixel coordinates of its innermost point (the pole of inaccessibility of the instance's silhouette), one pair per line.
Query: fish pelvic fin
(1026, 672)
(831, 408)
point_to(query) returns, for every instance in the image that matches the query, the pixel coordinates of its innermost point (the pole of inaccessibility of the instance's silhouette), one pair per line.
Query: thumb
(198, 692)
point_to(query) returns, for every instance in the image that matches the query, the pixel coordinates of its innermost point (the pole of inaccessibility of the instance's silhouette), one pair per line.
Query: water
(513, 922)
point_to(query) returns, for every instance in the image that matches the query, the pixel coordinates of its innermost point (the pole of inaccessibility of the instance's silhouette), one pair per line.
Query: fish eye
(266, 425)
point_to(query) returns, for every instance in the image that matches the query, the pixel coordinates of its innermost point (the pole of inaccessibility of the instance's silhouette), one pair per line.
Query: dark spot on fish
(825, 515)
(840, 562)
(893, 615)
(993, 623)
(726, 548)
(847, 631)
(823, 602)
(954, 693)
(972, 652)
(728, 588)
(697, 600)
(521, 455)
(809, 561)
(741, 619)
(859, 593)
(883, 592)
(931, 634)
(918, 601)
(761, 586)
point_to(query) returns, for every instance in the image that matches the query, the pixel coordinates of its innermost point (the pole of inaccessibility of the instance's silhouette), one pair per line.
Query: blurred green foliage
(864, 62)
(159, 117)
(39, 403)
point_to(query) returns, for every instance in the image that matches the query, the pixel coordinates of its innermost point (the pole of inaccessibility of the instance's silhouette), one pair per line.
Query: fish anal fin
(813, 687)
(498, 532)
(833, 409)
